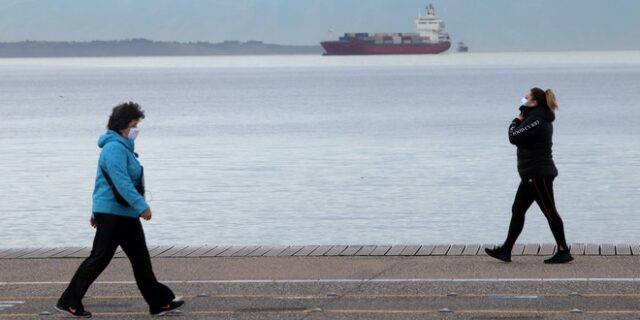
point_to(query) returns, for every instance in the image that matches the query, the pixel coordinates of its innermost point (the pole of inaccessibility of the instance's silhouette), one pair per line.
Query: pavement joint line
(357, 287)
(375, 280)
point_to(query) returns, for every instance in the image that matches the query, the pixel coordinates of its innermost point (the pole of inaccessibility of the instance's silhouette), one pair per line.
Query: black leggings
(113, 231)
(539, 190)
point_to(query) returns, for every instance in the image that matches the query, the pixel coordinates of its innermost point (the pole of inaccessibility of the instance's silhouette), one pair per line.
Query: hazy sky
(483, 24)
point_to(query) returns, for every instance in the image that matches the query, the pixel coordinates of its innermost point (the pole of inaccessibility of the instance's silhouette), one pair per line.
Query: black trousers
(113, 231)
(539, 190)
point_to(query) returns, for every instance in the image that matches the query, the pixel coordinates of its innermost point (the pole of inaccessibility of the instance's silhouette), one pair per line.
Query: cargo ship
(430, 38)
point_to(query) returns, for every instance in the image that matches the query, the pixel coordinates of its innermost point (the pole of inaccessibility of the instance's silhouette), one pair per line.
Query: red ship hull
(369, 48)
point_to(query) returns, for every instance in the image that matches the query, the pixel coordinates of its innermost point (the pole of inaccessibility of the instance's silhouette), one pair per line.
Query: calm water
(321, 150)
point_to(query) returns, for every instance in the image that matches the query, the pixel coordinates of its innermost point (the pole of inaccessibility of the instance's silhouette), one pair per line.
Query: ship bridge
(430, 27)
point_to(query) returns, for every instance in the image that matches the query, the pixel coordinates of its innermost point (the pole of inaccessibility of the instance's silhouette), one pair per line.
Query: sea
(310, 149)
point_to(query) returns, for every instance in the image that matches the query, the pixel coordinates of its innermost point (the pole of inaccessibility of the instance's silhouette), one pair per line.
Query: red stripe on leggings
(546, 212)
(550, 197)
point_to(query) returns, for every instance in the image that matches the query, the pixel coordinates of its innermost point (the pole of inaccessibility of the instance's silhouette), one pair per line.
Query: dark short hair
(123, 114)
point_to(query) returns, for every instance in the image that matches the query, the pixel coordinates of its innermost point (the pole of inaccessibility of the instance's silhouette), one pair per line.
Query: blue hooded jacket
(122, 166)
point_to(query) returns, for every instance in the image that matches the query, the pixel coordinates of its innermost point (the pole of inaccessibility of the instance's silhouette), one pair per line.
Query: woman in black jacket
(531, 132)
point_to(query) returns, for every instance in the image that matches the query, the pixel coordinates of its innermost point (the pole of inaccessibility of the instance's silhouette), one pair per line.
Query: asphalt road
(429, 287)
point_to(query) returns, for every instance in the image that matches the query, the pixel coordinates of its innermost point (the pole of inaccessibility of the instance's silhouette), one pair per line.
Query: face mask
(523, 102)
(133, 133)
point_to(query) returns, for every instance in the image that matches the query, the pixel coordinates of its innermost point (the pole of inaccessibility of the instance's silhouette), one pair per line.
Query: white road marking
(480, 280)
(9, 304)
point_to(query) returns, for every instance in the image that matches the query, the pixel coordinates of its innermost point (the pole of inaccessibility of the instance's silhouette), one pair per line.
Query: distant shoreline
(145, 47)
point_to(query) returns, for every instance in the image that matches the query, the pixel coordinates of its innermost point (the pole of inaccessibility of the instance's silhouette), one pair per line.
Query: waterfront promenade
(340, 282)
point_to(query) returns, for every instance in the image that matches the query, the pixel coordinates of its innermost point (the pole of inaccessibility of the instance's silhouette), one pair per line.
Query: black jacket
(533, 137)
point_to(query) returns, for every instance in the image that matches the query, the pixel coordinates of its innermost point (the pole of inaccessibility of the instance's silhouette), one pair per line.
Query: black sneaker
(74, 312)
(172, 306)
(560, 257)
(499, 254)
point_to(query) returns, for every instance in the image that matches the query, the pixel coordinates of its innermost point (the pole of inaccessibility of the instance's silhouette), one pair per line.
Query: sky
(485, 25)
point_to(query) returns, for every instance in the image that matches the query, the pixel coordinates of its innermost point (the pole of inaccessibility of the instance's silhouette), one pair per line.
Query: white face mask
(133, 133)
(524, 101)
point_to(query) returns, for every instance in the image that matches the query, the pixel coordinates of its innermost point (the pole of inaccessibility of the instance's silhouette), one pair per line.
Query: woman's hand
(146, 214)
(92, 222)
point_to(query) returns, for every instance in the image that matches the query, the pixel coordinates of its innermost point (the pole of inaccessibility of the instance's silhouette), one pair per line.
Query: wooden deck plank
(82, 253)
(230, 251)
(425, 250)
(260, 251)
(578, 249)
(410, 250)
(623, 249)
(350, 250)
(395, 250)
(8, 253)
(440, 250)
(607, 249)
(320, 251)
(455, 250)
(336, 250)
(51, 253)
(245, 251)
(380, 250)
(518, 249)
(215, 251)
(365, 250)
(66, 252)
(171, 252)
(592, 249)
(531, 249)
(40, 253)
(547, 249)
(200, 251)
(159, 250)
(471, 250)
(185, 251)
(19, 253)
(290, 251)
(306, 250)
(275, 251)
(5, 251)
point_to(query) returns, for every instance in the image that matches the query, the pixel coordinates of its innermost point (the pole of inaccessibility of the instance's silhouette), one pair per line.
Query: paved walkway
(394, 285)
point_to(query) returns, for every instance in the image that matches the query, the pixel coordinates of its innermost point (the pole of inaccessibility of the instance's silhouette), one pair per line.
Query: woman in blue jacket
(118, 205)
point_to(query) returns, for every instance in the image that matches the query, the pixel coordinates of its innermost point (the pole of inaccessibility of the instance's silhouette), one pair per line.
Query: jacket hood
(542, 112)
(110, 136)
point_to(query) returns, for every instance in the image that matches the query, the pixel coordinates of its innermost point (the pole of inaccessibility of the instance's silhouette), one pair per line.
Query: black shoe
(171, 306)
(560, 257)
(499, 254)
(74, 312)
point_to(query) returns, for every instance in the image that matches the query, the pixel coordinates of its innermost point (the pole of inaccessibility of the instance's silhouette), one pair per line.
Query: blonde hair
(551, 100)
